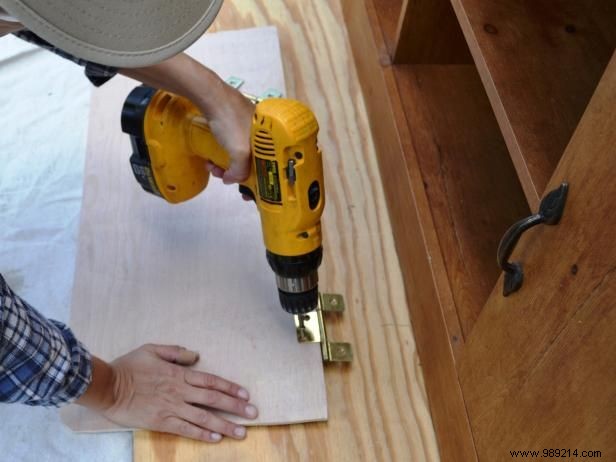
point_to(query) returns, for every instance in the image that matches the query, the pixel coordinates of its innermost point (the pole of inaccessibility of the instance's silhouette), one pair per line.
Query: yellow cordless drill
(172, 142)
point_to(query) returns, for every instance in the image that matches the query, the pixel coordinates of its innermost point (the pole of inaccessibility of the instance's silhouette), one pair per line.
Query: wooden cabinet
(478, 109)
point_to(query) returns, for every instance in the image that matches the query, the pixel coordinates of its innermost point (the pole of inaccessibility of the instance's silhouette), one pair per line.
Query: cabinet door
(539, 369)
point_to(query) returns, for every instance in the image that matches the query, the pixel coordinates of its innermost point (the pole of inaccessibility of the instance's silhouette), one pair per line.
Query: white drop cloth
(44, 106)
(43, 122)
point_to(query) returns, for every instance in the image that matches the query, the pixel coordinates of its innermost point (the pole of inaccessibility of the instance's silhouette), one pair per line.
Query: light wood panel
(436, 325)
(537, 371)
(193, 274)
(377, 407)
(540, 61)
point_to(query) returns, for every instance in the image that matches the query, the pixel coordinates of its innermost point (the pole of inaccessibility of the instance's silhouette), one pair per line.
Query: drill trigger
(246, 191)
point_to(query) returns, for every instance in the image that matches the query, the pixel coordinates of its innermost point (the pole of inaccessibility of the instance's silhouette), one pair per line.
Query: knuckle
(184, 428)
(204, 418)
(179, 373)
(210, 398)
(162, 415)
(231, 388)
(228, 429)
(168, 391)
(209, 381)
(186, 375)
(240, 407)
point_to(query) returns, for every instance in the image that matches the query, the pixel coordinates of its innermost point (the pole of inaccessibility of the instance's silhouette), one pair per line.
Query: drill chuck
(297, 280)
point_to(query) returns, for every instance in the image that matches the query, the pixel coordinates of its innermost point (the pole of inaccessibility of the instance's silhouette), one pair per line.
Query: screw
(340, 350)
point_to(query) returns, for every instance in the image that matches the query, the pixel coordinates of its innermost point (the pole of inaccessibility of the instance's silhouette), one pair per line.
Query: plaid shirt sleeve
(96, 73)
(41, 361)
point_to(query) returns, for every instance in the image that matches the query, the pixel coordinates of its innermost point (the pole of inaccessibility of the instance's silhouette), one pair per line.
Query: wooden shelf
(466, 147)
(429, 34)
(540, 61)
(452, 192)
(468, 176)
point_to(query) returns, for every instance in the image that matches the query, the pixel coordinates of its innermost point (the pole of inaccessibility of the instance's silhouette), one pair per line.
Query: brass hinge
(237, 82)
(310, 328)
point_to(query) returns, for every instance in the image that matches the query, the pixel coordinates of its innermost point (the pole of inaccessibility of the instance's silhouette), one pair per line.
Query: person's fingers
(175, 354)
(237, 172)
(218, 172)
(210, 421)
(186, 429)
(217, 400)
(214, 169)
(214, 382)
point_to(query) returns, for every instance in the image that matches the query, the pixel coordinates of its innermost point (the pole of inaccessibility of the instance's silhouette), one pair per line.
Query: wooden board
(378, 409)
(389, 21)
(470, 182)
(429, 33)
(538, 370)
(435, 321)
(193, 274)
(540, 61)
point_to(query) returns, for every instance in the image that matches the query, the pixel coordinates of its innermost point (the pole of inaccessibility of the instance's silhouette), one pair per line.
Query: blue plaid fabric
(96, 73)
(41, 361)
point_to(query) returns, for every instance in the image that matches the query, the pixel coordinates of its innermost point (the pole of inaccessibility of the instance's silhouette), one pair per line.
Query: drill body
(172, 143)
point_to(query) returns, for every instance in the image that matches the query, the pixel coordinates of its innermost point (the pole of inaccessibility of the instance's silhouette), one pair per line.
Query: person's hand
(228, 112)
(152, 388)
(231, 122)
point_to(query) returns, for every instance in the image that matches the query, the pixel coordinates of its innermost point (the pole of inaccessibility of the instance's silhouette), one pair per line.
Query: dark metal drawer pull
(550, 212)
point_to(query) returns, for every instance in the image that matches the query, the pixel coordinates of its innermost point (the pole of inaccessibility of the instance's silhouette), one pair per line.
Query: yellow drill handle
(204, 144)
(180, 143)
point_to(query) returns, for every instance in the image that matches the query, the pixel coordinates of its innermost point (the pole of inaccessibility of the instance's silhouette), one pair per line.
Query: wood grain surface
(388, 17)
(470, 182)
(193, 274)
(538, 369)
(540, 61)
(429, 33)
(435, 320)
(377, 407)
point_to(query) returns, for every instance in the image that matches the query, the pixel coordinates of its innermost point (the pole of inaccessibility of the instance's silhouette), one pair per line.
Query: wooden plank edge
(390, 133)
(515, 151)
(432, 331)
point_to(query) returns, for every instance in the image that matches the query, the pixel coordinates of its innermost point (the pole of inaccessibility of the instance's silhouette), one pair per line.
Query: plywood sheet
(193, 274)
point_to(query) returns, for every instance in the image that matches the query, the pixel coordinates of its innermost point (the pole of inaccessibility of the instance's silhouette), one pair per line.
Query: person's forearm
(184, 76)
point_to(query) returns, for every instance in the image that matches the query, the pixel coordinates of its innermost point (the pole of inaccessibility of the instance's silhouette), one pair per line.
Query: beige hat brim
(119, 33)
